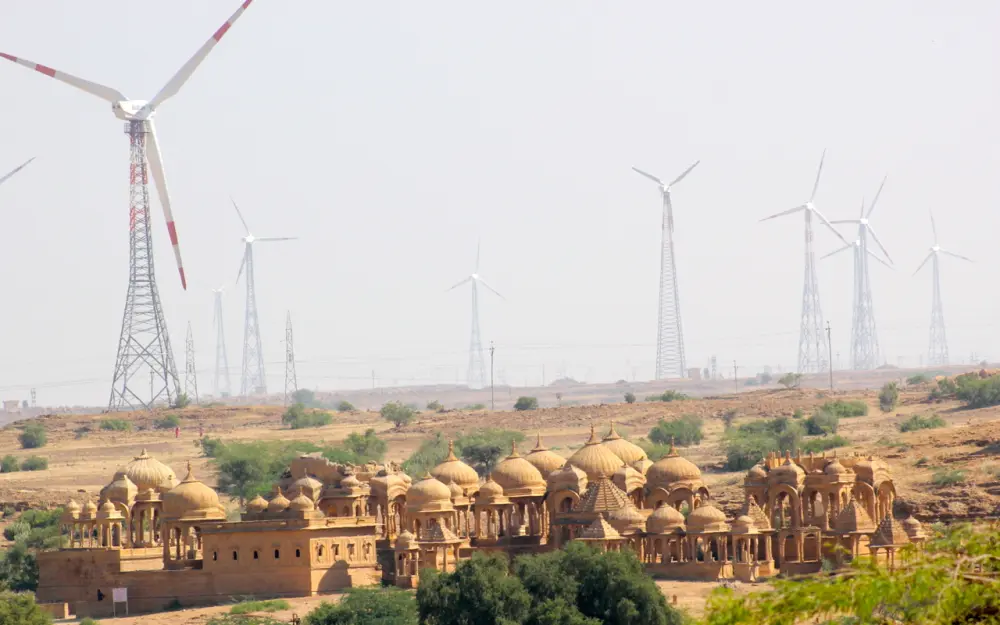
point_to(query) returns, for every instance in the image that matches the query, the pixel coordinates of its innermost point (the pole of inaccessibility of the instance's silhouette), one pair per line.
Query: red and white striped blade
(159, 178)
(182, 75)
(106, 93)
(16, 169)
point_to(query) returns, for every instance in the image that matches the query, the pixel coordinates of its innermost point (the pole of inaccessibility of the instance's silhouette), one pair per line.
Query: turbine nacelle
(128, 110)
(249, 239)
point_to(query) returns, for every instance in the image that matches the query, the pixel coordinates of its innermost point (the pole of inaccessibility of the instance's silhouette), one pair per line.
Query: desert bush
(34, 463)
(798, 414)
(747, 444)
(888, 397)
(168, 422)
(248, 469)
(210, 447)
(367, 447)
(978, 393)
(790, 380)
(823, 443)
(630, 397)
(33, 436)
(297, 417)
(236, 619)
(653, 451)
(822, 423)
(89, 621)
(667, 396)
(729, 417)
(345, 406)
(923, 461)
(397, 414)
(920, 422)
(181, 401)
(526, 403)
(481, 449)
(435, 405)
(683, 431)
(368, 606)
(116, 425)
(305, 397)
(948, 477)
(21, 609)
(9, 464)
(267, 605)
(474, 407)
(919, 378)
(16, 530)
(846, 408)
(946, 387)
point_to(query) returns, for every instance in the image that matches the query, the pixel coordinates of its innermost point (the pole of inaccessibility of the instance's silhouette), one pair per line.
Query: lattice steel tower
(938, 350)
(190, 369)
(291, 381)
(144, 344)
(670, 359)
(221, 387)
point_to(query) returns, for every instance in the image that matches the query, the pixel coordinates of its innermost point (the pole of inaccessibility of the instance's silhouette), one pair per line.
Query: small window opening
(298, 553)
(215, 555)
(277, 554)
(255, 555)
(236, 556)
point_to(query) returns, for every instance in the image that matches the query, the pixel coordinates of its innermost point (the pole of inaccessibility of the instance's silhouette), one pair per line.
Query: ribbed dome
(835, 468)
(191, 500)
(456, 490)
(664, 520)
(744, 525)
(307, 485)
(544, 460)
(707, 518)
(404, 540)
(627, 518)
(595, 459)
(120, 489)
(642, 465)
(278, 503)
(148, 472)
(108, 511)
(257, 505)
(491, 492)
(620, 447)
(671, 469)
(757, 473)
(787, 472)
(72, 506)
(301, 504)
(518, 477)
(427, 493)
(89, 509)
(454, 470)
(351, 481)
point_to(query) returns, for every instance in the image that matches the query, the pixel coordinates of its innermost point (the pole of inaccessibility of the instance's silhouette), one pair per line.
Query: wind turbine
(670, 360)
(938, 353)
(813, 356)
(864, 335)
(8, 176)
(144, 341)
(222, 387)
(252, 379)
(476, 375)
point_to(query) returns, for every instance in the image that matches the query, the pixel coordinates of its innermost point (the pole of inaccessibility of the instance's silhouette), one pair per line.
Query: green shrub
(305, 397)
(89, 621)
(747, 444)
(248, 469)
(116, 425)
(474, 407)
(946, 387)
(846, 408)
(978, 393)
(653, 451)
(435, 405)
(798, 414)
(729, 417)
(821, 444)
(181, 401)
(667, 396)
(822, 423)
(367, 447)
(168, 422)
(397, 414)
(683, 431)
(481, 449)
(268, 605)
(630, 397)
(367, 606)
(21, 609)
(210, 447)
(33, 436)
(526, 403)
(888, 397)
(948, 477)
(237, 619)
(16, 530)
(34, 463)
(346, 406)
(919, 422)
(297, 417)
(919, 378)
(9, 464)
(923, 461)
(790, 380)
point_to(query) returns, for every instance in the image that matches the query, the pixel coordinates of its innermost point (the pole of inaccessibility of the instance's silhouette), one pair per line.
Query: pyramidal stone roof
(854, 518)
(602, 496)
(760, 520)
(890, 533)
(437, 533)
(599, 530)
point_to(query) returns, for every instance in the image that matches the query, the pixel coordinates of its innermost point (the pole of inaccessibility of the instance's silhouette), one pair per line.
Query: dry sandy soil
(970, 443)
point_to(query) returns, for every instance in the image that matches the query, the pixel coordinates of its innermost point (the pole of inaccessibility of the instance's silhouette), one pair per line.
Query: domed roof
(642, 465)
(278, 503)
(350, 481)
(627, 518)
(707, 518)
(108, 511)
(664, 520)
(89, 509)
(456, 490)
(301, 504)
(744, 525)
(72, 506)
(787, 471)
(568, 477)
(257, 505)
(454, 470)
(191, 499)
(517, 476)
(671, 469)
(491, 492)
(120, 489)
(835, 468)
(428, 493)
(306, 484)
(757, 472)
(628, 452)
(595, 459)
(148, 472)
(543, 459)
(404, 540)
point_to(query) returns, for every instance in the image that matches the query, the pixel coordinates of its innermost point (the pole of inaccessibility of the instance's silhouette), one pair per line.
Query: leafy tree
(482, 449)
(919, 378)
(481, 591)
(888, 397)
(305, 397)
(9, 464)
(19, 608)
(345, 406)
(822, 423)
(526, 403)
(430, 453)
(19, 568)
(630, 397)
(33, 436)
(34, 463)
(367, 606)
(790, 380)
(397, 414)
(747, 444)
(181, 401)
(435, 405)
(684, 431)
(978, 393)
(368, 447)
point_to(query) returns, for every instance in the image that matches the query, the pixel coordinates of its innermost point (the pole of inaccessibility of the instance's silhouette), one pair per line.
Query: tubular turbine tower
(144, 342)
(476, 374)
(222, 387)
(938, 350)
(670, 360)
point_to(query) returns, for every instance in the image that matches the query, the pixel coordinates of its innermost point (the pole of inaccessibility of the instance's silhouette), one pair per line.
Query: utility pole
(492, 403)
(736, 379)
(33, 403)
(829, 350)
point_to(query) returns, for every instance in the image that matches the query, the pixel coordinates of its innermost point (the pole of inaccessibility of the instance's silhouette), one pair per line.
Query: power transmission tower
(190, 370)
(252, 379)
(291, 382)
(144, 344)
(222, 387)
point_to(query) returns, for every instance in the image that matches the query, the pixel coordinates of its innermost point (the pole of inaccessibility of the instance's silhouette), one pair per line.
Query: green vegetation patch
(920, 422)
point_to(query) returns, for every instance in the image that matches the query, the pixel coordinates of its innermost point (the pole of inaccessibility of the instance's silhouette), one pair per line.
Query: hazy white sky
(391, 135)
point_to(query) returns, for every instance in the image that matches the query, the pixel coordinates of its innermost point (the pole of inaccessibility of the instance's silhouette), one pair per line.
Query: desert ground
(970, 442)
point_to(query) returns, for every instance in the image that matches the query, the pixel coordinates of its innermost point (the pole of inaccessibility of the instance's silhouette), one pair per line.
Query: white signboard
(119, 595)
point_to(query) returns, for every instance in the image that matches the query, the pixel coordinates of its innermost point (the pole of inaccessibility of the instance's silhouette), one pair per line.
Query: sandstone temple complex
(327, 526)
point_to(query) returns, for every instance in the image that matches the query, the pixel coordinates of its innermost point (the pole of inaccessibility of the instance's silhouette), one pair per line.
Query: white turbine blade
(477, 256)
(875, 256)
(275, 239)
(240, 215)
(921, 266)
(242, 263)
(156, 169)
(956, 255)
(15, 170)
(837, 251)
(845, 221)
(829, 225)
(819, 172)
(174, 84)
(787, 212)
(871, 208)
(459, 284)
(681, 177)
(105, 93)
(483, 282)
(650, 176)
(878, 242)
(933, 225)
